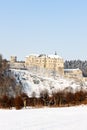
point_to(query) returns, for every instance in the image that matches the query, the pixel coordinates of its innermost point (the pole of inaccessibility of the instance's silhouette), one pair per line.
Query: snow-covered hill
(36, 83)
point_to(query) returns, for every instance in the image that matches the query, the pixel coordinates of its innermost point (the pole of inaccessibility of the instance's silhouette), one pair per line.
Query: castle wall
(73, 73)
(17, 65)
(14, 64)
(54, 63)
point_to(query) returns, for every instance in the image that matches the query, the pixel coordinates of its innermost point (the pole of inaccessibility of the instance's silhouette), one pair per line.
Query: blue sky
(43, 26)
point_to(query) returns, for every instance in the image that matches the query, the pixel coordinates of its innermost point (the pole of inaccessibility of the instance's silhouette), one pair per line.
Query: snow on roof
(54, 56)
(50, 56)
(71, 69)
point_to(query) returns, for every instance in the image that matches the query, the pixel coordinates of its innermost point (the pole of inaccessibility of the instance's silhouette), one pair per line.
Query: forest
(73, 64)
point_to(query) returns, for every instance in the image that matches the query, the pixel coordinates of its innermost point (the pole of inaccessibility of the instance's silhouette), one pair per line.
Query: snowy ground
(72, 118)
(38, 82)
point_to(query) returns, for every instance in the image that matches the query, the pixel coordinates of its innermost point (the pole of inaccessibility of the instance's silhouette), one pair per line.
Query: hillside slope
(36, 83)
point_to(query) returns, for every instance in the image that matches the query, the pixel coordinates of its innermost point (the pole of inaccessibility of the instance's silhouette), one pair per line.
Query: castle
(49, 63)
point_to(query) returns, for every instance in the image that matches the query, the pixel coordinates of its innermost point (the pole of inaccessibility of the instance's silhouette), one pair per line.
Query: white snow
(54, 56)
(36, 83)
(50, 56)
(71, 69)
(69, 118)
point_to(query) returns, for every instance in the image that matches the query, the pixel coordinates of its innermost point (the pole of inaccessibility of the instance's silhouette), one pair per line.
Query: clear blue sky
(43, 26)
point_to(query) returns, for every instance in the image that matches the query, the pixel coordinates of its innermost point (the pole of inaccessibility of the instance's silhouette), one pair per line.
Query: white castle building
(48, 64)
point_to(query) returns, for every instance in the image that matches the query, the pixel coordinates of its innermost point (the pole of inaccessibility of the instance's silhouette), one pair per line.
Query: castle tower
(13, 59)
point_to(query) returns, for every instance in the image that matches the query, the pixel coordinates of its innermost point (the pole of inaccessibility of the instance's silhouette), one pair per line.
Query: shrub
(18, 102)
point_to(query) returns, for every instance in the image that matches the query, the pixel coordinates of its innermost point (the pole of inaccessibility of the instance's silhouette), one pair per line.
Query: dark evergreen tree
(73, 64)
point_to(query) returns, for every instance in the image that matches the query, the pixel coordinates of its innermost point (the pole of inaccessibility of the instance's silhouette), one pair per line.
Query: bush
(18, 102)
(5, 102)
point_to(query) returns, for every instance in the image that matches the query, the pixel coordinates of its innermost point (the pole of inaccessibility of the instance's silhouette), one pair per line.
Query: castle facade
(48, 62)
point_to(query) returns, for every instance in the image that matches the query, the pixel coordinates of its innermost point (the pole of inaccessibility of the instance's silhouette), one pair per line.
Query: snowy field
(72, 118)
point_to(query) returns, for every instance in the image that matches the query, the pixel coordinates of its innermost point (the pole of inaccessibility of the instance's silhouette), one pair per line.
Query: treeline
(58, 99)
(8, 85)
(73, 64)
